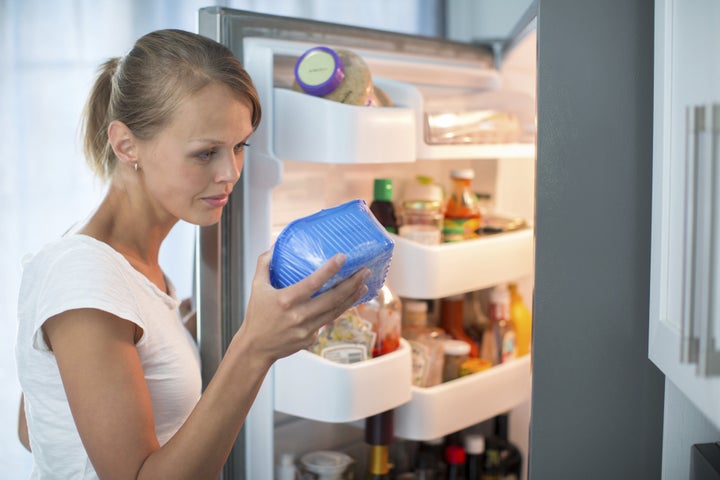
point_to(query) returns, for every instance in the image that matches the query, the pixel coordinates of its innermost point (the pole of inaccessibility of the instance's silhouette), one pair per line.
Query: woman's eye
(241, 146)
(205, 156)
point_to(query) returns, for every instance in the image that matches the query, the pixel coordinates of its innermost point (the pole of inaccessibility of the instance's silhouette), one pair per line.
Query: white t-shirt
(75, 272)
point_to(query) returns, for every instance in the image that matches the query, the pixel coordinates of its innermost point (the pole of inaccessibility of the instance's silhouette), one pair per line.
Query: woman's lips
(216, 201)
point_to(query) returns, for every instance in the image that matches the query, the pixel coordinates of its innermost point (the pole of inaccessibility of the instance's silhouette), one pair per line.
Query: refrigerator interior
(310, 153)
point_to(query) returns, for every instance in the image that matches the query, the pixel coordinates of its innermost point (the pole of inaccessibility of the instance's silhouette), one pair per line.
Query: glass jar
(456, 353)
(422, 221)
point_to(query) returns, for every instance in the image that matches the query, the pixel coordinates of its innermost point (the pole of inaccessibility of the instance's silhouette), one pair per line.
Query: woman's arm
(22, 425)
(109, 399)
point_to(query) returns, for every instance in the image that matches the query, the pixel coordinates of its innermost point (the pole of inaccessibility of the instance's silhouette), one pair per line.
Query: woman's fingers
(307, 287)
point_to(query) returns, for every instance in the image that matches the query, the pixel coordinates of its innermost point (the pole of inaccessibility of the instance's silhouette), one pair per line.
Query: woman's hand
(279, 322)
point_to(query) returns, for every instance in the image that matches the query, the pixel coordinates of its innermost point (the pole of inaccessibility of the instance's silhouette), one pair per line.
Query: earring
(136, 167)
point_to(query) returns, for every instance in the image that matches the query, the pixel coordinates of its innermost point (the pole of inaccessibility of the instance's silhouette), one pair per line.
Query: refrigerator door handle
(689, 344)
(709, 355)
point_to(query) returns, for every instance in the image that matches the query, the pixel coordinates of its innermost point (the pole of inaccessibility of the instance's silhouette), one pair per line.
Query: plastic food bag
(350, 228)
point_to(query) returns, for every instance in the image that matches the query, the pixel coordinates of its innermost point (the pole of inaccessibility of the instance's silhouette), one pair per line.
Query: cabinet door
(685, 275)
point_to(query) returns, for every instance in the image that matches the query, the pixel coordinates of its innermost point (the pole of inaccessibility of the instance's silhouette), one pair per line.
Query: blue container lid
(350, 228)
(319, 71)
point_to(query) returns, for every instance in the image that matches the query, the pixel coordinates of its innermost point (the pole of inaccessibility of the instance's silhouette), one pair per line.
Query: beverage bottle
(492, 470)
(503, 326)
(475, 455)
(430, 464)
(462, 212)
(522, 318)
(451, 320)
(510, 456)
(455, 461)
(379, 434)
(382, 206)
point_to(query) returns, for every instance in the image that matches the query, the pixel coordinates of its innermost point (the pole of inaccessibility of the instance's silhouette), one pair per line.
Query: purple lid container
(335, 72)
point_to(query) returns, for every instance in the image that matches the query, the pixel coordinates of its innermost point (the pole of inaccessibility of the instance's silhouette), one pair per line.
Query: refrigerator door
(420, 74)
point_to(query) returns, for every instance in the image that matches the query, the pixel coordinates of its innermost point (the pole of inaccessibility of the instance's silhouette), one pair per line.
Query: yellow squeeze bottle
(522, 318)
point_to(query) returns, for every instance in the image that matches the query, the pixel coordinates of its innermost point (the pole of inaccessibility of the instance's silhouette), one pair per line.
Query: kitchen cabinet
(685, 272)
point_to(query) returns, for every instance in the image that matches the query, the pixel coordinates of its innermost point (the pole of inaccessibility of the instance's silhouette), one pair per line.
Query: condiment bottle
(421, 217)
(335, 74)
(451, 320)
(382, 206)
(503, 325)
(522, 318)
(384, 312)
(456, 353)
(462, 212)
(425, 342)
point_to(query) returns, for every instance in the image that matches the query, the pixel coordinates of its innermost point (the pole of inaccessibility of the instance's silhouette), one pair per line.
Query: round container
(335, 74)
(319, 71)
(422, 221)
(456, 353)
(326, 465)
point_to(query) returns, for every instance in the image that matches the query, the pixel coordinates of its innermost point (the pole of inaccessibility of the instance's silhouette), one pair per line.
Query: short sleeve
(79, 277)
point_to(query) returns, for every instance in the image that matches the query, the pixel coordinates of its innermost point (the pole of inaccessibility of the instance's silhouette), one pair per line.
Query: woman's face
(191, 166)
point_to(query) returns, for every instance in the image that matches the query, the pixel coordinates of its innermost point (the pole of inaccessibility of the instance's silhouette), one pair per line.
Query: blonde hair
(144, 88)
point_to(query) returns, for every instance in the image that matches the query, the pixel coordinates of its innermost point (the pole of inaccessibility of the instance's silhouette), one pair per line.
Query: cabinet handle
(689, 344)
(709, 356)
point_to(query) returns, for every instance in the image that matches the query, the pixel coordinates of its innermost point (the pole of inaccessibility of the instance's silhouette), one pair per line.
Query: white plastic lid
(286, 469)
(456, 347)
(416, 190)
(416, 306)
(326, 462)
(474, 443)
(464, 174)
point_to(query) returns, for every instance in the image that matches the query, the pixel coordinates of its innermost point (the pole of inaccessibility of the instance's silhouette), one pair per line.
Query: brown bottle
(451, 318)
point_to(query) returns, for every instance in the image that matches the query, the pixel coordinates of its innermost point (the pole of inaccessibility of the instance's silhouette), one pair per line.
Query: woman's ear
(122, 142)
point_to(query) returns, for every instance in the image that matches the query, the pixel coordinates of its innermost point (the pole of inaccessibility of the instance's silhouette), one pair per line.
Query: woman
(110, 376)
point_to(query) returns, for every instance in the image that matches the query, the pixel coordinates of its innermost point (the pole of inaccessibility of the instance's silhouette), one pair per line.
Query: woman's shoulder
(77, 258)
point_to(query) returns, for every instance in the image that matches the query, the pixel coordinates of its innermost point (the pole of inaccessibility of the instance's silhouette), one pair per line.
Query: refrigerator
(310, 154)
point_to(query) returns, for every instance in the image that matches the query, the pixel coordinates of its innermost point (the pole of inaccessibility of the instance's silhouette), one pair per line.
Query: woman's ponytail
(96, 118)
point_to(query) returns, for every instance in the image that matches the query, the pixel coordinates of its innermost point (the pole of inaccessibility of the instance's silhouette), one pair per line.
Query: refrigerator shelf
(309, 386)
(313, 129)
(410, 96)
(436, 271)
(437, 411)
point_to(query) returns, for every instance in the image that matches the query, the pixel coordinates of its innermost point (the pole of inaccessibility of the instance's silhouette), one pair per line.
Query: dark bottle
(475, 456)
(510, 456)
(379, 433)
(455, 460)
(429, 464)
(382, 206)
(492, 469)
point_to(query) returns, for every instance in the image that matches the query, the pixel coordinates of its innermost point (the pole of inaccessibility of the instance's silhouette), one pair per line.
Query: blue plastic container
(308, 242)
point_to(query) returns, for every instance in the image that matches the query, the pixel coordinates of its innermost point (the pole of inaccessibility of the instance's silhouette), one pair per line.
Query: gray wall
(597, 399)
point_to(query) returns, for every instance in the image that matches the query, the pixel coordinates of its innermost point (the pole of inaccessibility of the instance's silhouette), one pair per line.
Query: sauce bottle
(451, 320)
(382, 206)
(462, 212)
(522, 318)
(503, 326)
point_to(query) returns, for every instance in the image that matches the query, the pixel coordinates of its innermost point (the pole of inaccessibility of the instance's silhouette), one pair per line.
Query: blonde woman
(110, 376)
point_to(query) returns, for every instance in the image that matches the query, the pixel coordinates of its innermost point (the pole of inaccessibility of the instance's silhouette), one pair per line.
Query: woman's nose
(230, 169)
